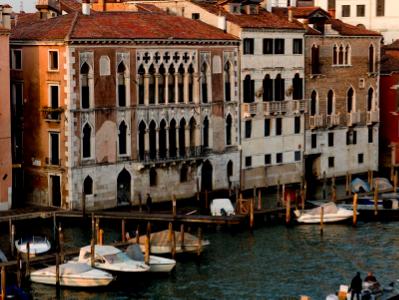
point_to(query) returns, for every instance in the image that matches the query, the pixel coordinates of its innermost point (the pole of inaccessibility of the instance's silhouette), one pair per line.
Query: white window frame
(49, 60)
(49, 94)
(13, 61)
(49, 145)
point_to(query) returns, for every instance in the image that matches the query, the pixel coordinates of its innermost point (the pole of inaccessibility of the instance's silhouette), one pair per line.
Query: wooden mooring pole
(199, 249)
(147, 245)
(138, 234)
(321, 220)
(12, 239)
(27, 271)
(395, 181)
(347, 183)
(259, 199)
(288, 210)
(182, 236)
(57, 270)
(93, 226)
(92, 249)
(355, 209)
(174, 212)
(376, 199)
(123, 230)
(3, 282)
(251, 214)
(61, 242)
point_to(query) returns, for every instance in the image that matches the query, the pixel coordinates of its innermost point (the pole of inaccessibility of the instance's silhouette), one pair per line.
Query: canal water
(275, 262)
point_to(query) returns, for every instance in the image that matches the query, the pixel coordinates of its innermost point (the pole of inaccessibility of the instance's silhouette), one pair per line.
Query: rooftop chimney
(289, 14)
(7, 17)
(86, 7)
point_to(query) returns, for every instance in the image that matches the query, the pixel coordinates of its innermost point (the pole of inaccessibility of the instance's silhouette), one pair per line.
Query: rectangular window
(18, 102)
(279, 158)
(279, 126)
(267, 46)
(297, 46)
(279, 46)
(248, 128)
(248, 161)
(297, 125)
(16, 59)
(54, 96)
(248, 46)
(54, 149)
(267, 127)
(370, 135)
(345, 10)
(314, 141)
(360, 10)
(380, 8)
(360, 158)
(268, 159)
(195, 16)
(331, 162)
(331, 139)
(297, 155)
(351, 137)
(53, 60)
(331, 4)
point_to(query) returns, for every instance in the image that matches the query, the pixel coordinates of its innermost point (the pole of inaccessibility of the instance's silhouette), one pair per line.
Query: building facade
(124, 110)
(6, 172)
(342, 85)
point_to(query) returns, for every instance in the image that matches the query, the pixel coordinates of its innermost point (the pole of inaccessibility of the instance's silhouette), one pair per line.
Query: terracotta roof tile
(143, 7)
(393, 46)
(116, 25)
(389, 64)
(70, 6)
(264, 19)
(348, 30)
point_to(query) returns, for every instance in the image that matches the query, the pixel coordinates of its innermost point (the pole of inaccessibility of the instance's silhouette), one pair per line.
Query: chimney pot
(86, 7)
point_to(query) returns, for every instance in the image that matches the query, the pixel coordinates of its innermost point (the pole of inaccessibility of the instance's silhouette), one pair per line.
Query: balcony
(316, 121)
(373, 116)
(249, 109)
(333, 120)
(189, 153)
(352, 118)
(284, 107)
(52, 114)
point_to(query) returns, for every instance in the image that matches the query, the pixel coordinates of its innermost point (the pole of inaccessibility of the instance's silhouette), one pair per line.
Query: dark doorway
(311, 173)
(206, 176)
(123, 189)
(55, 182)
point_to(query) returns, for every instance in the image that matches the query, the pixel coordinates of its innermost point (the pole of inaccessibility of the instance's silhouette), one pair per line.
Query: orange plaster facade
(5, 117)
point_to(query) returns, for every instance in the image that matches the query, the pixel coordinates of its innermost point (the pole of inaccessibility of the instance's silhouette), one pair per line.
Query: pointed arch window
(315, 53)
(151, 85)
(341, 55)
(279, 88)
(121, 85)
(347, 55)
(122, 138)
(182, 138)
(335, 55)
(371, 64)
(313, 103)
(267, 88)
(229, 123)
(249, 87)
(142, 132)
(370, 98)
(153, 140)
(297, 84)
(172, 139)
(330, 103)
(227, 83)
(180, 84)
(204, 83)
(88, 186)
(205, 132)
(85, 86)
(86, 141)
(350, 101)
(162, 140)
(193, 125)
(171, 84)
(190, 83)
(161, 85)
(140, 81)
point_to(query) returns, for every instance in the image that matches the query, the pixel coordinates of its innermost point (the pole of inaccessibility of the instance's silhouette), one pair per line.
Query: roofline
(270, 29)
(343, 36)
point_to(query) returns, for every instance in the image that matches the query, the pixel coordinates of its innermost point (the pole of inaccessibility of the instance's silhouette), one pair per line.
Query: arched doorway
(123, 187)
(206, 176)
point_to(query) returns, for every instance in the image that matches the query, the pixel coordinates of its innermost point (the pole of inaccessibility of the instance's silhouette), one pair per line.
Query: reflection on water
(273, 263)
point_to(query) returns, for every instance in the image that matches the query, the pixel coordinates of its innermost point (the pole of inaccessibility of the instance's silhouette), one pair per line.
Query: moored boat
(72, 275)
(332, 213)
(37, 245)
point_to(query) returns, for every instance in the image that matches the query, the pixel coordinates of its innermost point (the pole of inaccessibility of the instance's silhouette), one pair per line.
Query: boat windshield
(116, 258)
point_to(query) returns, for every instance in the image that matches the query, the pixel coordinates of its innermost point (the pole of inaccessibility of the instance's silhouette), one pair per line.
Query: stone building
(6, 171)
(271, 85)
(342, 85)
(389, 96)
(120, 104)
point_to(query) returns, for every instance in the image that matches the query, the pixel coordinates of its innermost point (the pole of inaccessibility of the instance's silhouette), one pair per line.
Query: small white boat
(37, 245)
(222, 207)
(161, 243)
(332, 213)
(112, 259)
(72, 275)
(157, 263)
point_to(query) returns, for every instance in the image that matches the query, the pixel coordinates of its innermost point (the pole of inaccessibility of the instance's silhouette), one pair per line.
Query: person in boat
(356, 286)
(372, 281)
(148, 203)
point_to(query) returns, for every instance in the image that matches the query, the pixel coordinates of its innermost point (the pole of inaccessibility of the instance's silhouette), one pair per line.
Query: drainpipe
(239, 113)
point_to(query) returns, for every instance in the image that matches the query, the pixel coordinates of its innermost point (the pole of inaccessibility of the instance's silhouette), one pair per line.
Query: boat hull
(70, 281)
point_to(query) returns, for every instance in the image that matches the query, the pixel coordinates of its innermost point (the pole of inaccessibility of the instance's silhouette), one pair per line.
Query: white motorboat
(72, 275)
(112, 259)
(332, 213)
(161, 243)
(157, 263)
(222, 207)
(37, 245)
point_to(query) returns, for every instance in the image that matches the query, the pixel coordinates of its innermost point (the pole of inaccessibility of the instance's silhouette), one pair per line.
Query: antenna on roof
(21, 6)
